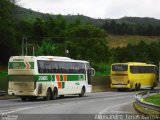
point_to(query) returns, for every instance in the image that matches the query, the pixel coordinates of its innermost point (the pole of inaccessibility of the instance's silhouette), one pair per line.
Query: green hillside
(113, 40)
(26, 14)
(138, 20)
(30, 15)
(85, 38)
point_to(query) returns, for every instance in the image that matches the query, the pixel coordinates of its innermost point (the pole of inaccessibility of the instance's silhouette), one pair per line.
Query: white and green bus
(48, 77)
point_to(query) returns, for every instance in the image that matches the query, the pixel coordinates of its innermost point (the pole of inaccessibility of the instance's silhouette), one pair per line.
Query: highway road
(70, 107)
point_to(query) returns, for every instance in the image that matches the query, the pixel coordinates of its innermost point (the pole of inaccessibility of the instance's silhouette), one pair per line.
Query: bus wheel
(33, 98)
(82, 92)
(24, 98)
(152, 88)
(136, 87)
(48, 95)
(121, 90)
(55, 94)
(61, 96)
(139, 87)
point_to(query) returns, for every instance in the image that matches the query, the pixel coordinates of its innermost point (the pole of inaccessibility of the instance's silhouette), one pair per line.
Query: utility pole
(24, 39)
(26, 45)
(33, 50)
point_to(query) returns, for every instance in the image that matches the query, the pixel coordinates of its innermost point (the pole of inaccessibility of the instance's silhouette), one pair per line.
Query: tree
(113, 26)
(153, 52)
(8, 43)
(47, 48)
(39, 28)
(51, 24)
(5, 10)
(141, 51)
(24, 28)
(7, 32)
(88, 42)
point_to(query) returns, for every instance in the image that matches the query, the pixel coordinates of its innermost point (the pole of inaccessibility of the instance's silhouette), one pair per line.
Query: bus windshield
(119, 67)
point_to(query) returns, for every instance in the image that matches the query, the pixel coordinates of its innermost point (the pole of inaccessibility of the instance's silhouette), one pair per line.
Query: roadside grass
(102, 69)
(3, 74)
(115, 41)
(154, 99)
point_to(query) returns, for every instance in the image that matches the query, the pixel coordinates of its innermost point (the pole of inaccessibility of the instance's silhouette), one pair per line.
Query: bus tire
(55, 94)
(136, 87)
(121, 89)
(82, 92)
(152, 88)
(139, 87)
(61, 96)
(24, 98)
(48, 95)
(34, 98)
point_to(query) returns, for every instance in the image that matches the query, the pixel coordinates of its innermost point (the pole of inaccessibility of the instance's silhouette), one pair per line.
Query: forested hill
(30, 15)
(138, 20)
(52, 34)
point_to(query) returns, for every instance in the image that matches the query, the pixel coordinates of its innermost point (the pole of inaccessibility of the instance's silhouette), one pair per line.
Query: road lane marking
(120, 112)
(117, 105)
(21, 109)
(94, 99)
(27, 108)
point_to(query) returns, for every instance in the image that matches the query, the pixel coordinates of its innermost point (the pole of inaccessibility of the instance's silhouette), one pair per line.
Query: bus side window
(41, 66)
(82, 68)
(54, 69)
(76, 67)
(71, 69)
(68, 66)
(63, 67)
(57, 67)
(48, 67)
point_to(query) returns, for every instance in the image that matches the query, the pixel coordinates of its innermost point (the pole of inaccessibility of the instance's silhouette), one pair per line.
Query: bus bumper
(22, 93)
(120, 85)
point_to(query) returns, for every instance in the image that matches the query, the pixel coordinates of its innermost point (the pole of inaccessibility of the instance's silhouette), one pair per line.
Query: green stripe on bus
(75, 77)
(53, 77)
(63, 84)
(21, 78)
(46, 78)
(61, 78)
(21, 65)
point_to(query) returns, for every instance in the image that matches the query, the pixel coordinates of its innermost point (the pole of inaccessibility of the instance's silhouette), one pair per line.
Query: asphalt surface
(70, 107)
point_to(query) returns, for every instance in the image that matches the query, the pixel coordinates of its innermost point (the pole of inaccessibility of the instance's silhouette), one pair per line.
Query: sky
(96, 8)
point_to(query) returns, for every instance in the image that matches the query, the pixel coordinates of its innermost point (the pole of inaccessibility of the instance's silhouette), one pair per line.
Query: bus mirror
(92, 72)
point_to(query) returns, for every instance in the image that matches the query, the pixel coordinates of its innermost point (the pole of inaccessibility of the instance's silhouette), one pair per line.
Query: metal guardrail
(144, 94)
(2, 93)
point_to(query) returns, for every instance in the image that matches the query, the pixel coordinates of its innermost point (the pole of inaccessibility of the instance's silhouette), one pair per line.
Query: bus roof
(49, 58)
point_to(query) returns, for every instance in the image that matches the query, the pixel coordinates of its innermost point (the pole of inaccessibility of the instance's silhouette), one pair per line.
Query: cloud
(97, 8)
(139, 8)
